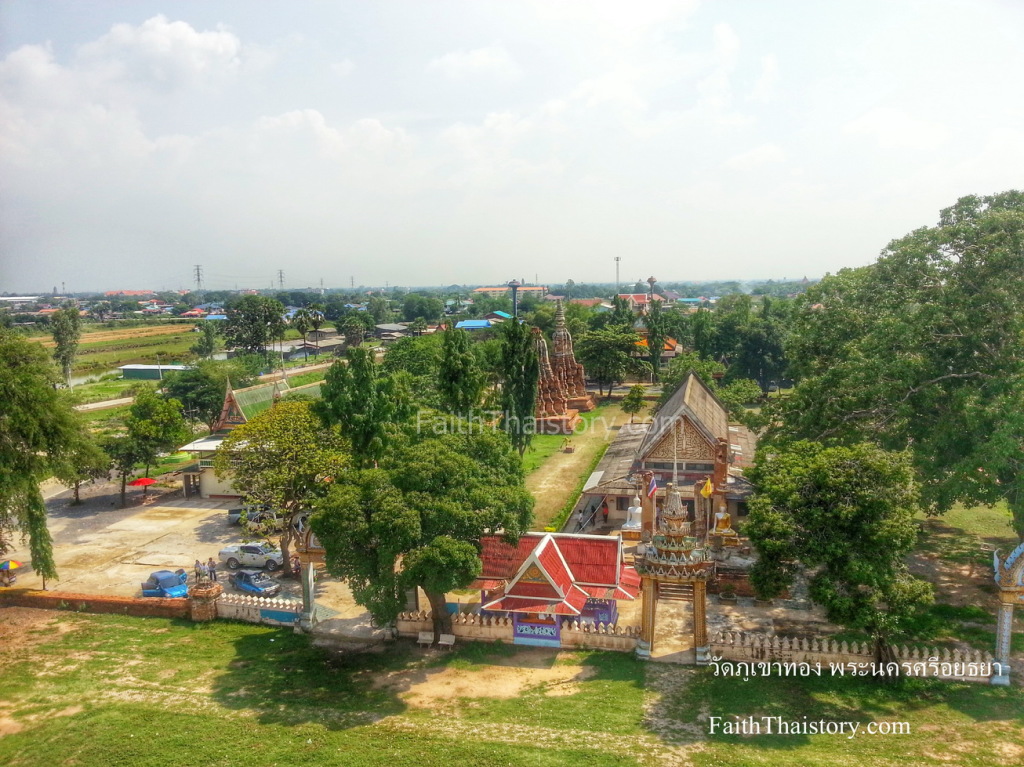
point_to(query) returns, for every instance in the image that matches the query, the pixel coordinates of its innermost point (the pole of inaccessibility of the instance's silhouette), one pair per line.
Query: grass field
(112, 690)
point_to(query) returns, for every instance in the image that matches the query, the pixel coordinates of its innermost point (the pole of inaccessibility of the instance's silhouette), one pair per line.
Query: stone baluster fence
(600, 636)
(274, 612)
(746, 654)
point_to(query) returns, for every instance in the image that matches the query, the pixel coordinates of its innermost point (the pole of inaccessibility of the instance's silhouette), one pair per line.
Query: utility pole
(280, 279)
(352, 282)
(617, 259)
(197, 272)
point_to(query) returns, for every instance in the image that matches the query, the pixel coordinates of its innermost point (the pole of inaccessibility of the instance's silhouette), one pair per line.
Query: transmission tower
(280, 279)
(197, 272)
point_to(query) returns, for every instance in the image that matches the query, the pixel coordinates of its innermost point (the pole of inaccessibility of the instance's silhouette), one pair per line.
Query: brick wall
(149, 607)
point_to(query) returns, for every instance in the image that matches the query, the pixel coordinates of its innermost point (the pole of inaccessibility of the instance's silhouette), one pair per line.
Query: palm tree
(316, 320)
(302, 321)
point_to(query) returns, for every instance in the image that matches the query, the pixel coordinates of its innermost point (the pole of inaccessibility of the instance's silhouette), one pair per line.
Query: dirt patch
(8, 726)
(22, 628)
(508, 678)
(955, 584)
(122, 334)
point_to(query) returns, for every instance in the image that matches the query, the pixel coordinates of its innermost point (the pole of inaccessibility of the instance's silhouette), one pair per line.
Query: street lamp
(515, 285)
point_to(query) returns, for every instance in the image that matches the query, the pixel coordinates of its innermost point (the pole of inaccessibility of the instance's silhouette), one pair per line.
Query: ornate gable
(690, 441)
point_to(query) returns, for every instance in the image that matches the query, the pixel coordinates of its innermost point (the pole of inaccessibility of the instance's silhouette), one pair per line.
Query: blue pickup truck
(164, 583)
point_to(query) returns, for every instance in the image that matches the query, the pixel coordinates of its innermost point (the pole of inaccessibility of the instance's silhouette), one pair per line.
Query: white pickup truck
(251, 555)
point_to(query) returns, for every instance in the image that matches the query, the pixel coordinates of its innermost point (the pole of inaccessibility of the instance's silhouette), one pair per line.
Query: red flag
(652, 488)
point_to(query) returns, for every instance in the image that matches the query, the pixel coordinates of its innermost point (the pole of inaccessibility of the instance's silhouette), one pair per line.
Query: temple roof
(554, 573)
(694, 399)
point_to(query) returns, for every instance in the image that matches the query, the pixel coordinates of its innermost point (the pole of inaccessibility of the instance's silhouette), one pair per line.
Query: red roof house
(554, 574)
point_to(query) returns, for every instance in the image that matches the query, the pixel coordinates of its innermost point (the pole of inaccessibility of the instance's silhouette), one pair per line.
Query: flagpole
(675, 456)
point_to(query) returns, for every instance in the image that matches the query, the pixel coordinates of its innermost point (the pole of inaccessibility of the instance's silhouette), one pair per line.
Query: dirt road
(123, 334)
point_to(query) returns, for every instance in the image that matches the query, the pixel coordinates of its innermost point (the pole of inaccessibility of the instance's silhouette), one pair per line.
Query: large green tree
(417, 521)
(81, 460)
(608, 357)
(66, 326)
(366, 405)
(36, 428)
(154, 425)
(254, 323)
(656, 326)
(200, 389)
(460, 381)
(520, 372)
(284, 457)
(846, 514)
(206, 344)
(924, 350)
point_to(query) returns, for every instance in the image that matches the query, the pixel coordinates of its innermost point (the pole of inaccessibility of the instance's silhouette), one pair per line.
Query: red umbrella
(142, 482)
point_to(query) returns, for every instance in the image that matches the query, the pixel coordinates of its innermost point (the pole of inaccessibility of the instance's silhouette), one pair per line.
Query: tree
(607, 355)
(201, 388)
(417, 521)
(654, 322)
(125, 454)
(206, 344)
(254, 322)
(284, 457)
(155, 425)
(621, 314)
(633, 402)
(520, 372)
(354, 329)
(847, 515)
(101, 310)
(460, 381)
(65, 324)
(418, 326)
(36, 426)
(380, 309)
(317, 318)
(364, 405)
(302, 321)
(82, 459)
(924, 350)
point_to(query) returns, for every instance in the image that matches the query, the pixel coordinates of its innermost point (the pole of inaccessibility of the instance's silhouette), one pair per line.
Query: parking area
(100, 548)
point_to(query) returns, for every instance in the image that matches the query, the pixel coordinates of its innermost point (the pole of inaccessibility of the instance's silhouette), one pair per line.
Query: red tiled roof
(533, 590)
(486, 584)
(591, 560)
(586, 301)
(501, 561)
(571, 605)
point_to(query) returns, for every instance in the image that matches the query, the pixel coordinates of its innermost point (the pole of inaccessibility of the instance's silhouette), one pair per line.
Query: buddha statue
(723, 523)
(633, 515)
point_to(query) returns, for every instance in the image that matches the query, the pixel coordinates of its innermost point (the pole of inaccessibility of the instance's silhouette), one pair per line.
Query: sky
(431, 143)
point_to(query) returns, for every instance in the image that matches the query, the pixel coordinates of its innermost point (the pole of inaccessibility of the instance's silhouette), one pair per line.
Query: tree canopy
(417, 521)
(364, 404)
(284, 457)
(36, 428)
(253, 323)
(66, 326)
(924, 350)
(520, 373)
(460, 381)
(200, 389)
(847, 515)
(608, 355)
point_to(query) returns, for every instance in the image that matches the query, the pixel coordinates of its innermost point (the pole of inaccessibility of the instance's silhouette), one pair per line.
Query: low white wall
(274, 612)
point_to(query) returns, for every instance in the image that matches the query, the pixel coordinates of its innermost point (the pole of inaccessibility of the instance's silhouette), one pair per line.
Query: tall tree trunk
(439, 611)
(78, 500)
(885, 654)
(124, 490)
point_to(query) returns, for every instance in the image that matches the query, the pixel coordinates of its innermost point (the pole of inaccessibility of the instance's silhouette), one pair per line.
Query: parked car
(253, 512)
(254, 582)
(251, 555)
(164, 583)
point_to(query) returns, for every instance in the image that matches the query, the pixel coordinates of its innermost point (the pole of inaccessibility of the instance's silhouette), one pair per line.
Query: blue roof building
(474, 324)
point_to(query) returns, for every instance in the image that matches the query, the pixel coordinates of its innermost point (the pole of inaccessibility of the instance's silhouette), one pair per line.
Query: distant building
(499, 291)
(638, 301)
(129, 293)
(149, 372)
(473, 324)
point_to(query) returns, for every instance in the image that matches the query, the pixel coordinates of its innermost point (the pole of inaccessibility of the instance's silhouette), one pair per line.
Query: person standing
(604, 512)
(211, 568)
(200, 570)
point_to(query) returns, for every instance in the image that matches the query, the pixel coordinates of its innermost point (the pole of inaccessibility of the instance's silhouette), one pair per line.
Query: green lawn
(543, 446)
(110, 388)
(152, 692)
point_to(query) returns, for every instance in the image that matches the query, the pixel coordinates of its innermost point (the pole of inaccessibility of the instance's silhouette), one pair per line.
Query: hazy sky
(430, 142)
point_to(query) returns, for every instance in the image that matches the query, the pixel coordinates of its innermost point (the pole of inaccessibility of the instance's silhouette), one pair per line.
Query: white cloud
(895, 129)
(168, 54)
(492, 61)
(343, 68)
(764, 88)
(766, 154)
